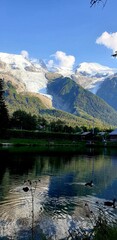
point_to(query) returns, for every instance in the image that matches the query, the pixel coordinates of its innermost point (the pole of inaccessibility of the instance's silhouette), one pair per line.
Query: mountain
(32, 75)
(88, 82)
(29, 102)
(31, 87)
(37, 104)
(94, 70)
(108, 91)
(91, 75)
(71, 97)
(25, 72)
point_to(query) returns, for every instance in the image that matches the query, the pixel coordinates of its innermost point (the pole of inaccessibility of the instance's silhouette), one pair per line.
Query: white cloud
(61, 62)
(109, 40)
(65, 61)
(25, 54)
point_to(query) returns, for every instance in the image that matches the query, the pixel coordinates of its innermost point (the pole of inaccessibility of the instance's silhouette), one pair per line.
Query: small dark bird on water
(110, 203)
(25, 189)
(90, 184)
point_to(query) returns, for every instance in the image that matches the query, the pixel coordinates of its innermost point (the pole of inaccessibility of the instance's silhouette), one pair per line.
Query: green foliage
(4, 117)
(19, 101)
(32, 105)
(23, 120)
(103, 229)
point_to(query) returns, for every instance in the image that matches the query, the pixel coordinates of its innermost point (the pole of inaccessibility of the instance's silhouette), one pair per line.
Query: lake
(43, 196)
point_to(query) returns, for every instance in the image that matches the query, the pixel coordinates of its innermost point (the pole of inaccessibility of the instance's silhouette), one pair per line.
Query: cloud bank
(109, 40)
(61, 62)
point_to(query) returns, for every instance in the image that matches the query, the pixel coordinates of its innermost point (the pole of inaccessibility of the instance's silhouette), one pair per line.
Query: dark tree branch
(93, 2)
(114, 54)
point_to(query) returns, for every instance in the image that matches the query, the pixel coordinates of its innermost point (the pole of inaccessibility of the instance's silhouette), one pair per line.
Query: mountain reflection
(60, 194)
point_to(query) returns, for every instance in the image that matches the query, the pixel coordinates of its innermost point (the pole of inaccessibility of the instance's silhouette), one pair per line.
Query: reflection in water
(62, 203)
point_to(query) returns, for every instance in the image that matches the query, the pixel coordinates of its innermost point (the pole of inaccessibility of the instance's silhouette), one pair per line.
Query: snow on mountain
(91, 75)
(65, 72)
(88, 75)
(94, 69)
(32, 75)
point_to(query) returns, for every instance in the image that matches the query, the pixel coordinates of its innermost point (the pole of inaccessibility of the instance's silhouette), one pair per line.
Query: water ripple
(54, 217)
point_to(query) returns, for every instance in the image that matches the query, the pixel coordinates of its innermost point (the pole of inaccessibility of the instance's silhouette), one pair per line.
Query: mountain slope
(32, 103)
(108, 91)
(94, 69)
(91, 75)
(30, 87)
(30, 75)
(72, 98)
(88, 82)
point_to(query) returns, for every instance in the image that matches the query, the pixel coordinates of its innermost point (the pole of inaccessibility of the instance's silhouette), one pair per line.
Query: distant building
(86, 136)
(113, 135)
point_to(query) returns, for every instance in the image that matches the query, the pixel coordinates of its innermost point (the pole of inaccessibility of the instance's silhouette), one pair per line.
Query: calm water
(57, 203)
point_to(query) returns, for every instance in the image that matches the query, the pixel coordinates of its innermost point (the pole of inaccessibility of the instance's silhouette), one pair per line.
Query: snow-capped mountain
(91, 75)
(29, 77)
(88, 75)
(32, 76)
(94, 70)
(25, 71)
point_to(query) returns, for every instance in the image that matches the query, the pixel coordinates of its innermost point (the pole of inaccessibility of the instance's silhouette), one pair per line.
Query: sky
(63, 32)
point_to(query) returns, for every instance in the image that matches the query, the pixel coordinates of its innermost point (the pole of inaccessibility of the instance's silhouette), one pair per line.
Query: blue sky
(44, 28)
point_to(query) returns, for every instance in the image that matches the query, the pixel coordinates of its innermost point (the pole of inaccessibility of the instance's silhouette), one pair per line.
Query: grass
(42, 145)
(106, 233)
(103, 229)
(28, 141)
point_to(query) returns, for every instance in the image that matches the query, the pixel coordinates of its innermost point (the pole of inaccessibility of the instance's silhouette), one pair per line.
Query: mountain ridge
(108, 91)
(76, 100)
(52, 89)
(88, 75)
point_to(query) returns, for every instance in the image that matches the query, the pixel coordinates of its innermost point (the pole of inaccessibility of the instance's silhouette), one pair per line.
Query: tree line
(4, 115)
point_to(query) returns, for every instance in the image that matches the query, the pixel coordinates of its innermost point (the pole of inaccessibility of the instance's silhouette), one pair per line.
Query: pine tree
(4, 116)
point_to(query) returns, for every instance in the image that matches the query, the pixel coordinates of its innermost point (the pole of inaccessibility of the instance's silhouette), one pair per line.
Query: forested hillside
(32, 104)
(72, 98)
(108, 91)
